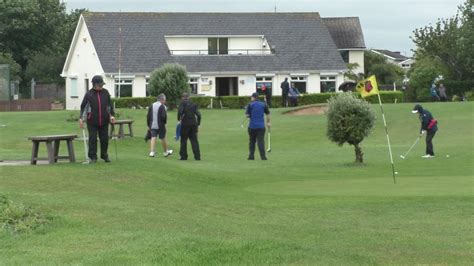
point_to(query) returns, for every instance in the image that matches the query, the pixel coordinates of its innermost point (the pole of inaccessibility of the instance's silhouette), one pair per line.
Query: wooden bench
(121, 134)
(52, 144)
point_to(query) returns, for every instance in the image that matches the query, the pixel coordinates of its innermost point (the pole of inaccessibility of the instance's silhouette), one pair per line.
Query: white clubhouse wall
(84, 64)
(357, 56)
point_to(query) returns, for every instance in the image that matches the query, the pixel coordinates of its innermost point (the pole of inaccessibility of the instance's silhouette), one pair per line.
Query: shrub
(130, 102)
(458, 87)
(17, 219)
(350, 120)
(170, 79)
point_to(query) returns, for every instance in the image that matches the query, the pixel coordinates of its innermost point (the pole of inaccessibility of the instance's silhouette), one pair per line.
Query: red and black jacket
(96, 107)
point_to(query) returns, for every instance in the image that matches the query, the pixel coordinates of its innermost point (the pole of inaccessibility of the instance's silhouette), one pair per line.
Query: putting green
(383, 186)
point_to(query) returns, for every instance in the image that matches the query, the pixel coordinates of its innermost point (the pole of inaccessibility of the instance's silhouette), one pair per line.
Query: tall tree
(451, 41)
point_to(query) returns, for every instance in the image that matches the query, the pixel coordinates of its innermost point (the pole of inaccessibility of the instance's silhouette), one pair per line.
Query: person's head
(185, 96)
(162, 98)
(97, 82)
(441, 85)
(417, 109)
(286, 79)
(254, 96)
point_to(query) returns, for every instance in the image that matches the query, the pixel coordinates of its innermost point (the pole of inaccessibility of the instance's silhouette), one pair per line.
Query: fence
(26, 105)
(5, 93)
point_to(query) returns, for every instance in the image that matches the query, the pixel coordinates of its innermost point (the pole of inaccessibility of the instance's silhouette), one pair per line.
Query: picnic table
(121, 134)
(52, 144)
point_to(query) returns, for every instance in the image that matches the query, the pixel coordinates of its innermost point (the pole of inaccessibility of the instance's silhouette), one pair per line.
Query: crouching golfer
(190, 119)
(156, 121)
(256, 111)
(97, 109)
(428, 125)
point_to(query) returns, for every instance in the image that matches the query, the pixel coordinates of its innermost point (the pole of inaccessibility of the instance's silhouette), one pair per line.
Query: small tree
(349, 120)
(170, 79)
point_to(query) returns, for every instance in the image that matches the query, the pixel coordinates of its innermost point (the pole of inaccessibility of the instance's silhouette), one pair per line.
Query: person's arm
(149, 117)
(83, 114)
(198, 116)
(180, 111)
(111, 108)
(247, 111)
(161, 116)
(425, 121)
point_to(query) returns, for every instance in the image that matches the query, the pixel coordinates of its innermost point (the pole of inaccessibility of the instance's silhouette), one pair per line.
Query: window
(218, 46)
(147, 87)
(328, 83)
(299, 82)
(74, 88)
(263, 84)
(345, 56)
(193, 84)
(123, 88)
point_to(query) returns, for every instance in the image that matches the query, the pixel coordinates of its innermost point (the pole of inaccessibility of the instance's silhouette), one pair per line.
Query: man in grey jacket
(156, 121)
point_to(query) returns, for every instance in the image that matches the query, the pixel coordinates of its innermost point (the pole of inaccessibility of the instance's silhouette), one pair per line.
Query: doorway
(227, 86)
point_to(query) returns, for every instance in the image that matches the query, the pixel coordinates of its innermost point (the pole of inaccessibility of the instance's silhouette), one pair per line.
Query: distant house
(224, 53)
(396, 58)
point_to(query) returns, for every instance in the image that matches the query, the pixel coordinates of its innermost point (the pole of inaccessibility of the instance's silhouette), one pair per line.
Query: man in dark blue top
(428, 125)
(256, 112)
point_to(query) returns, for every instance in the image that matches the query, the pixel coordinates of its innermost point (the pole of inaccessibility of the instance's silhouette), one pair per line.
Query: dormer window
(218, 46)
(226, 45)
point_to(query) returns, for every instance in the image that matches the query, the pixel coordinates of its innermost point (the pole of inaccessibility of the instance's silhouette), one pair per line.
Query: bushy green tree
(349, 120)
(170, 79)
(451, 41)
(15, 68)
(422, 75)
(386, 72)
(45, 68)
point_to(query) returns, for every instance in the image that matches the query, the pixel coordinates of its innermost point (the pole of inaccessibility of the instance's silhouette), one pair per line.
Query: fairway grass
(308, 204)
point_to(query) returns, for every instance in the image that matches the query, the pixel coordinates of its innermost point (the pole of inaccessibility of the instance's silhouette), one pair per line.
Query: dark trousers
(189, 132)
(294, 101)
(104, 141)
(268, 99)
(429, 142)
(257, 135)
(284, 100)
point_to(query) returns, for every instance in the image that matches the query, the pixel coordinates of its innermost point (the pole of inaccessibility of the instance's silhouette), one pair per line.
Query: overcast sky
(387, 24)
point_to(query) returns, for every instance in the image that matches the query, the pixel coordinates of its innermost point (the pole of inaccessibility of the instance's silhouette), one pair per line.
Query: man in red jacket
(98, 112)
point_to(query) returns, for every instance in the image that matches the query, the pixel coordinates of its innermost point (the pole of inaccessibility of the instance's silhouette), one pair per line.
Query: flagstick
(388, 139)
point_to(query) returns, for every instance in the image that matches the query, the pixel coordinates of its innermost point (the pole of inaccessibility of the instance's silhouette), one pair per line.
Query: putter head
(269, 150)
(401, 156)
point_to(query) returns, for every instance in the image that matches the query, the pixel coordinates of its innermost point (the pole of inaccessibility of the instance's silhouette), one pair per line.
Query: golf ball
(447, 156)
(396, 173)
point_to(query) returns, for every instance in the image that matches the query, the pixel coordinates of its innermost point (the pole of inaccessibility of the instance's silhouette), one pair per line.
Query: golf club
(416, 141)
(269, 141)
(115, 144)
(84, 138)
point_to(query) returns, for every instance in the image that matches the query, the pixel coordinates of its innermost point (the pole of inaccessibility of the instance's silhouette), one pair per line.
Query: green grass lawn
(308, 204)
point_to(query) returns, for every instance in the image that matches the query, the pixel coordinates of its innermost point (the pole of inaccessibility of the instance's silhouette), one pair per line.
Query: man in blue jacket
(256, 112)
(428, 125)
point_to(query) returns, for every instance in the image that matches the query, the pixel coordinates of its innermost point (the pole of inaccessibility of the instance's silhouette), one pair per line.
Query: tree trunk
(358, 153)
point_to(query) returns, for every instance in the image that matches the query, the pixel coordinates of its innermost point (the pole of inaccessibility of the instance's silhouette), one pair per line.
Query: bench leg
(130, 129)
(34, 152)
(49, 146)
(56, 150)
(70, 149)
(121, 134)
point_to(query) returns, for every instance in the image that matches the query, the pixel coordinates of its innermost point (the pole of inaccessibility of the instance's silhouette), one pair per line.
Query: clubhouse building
(224, 53)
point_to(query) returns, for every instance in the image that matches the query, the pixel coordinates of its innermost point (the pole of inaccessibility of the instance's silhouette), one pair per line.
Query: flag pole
(388, 139)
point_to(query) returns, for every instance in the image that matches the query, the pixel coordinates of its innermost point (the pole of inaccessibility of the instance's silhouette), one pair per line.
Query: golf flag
(368, 87)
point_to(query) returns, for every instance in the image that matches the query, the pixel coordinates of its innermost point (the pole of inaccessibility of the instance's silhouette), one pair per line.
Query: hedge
(458, 87)
(238, 102)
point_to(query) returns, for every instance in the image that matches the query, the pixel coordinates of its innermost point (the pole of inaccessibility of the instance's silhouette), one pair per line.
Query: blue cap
(255, 95)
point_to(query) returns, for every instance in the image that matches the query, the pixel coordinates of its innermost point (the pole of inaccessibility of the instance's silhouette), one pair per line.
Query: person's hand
(269, 125)
(423, 132)
(81, 123)
(112, 119)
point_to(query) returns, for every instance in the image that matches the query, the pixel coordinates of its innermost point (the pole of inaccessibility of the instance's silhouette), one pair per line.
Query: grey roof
(396, 55)
(346, 32)
(301, 40)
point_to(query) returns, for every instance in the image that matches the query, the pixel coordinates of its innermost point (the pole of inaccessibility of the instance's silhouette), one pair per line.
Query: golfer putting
(256, 112)
(97, 111)
(428, 125)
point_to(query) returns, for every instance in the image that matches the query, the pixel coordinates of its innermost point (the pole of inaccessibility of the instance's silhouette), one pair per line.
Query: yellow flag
(368, 87)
